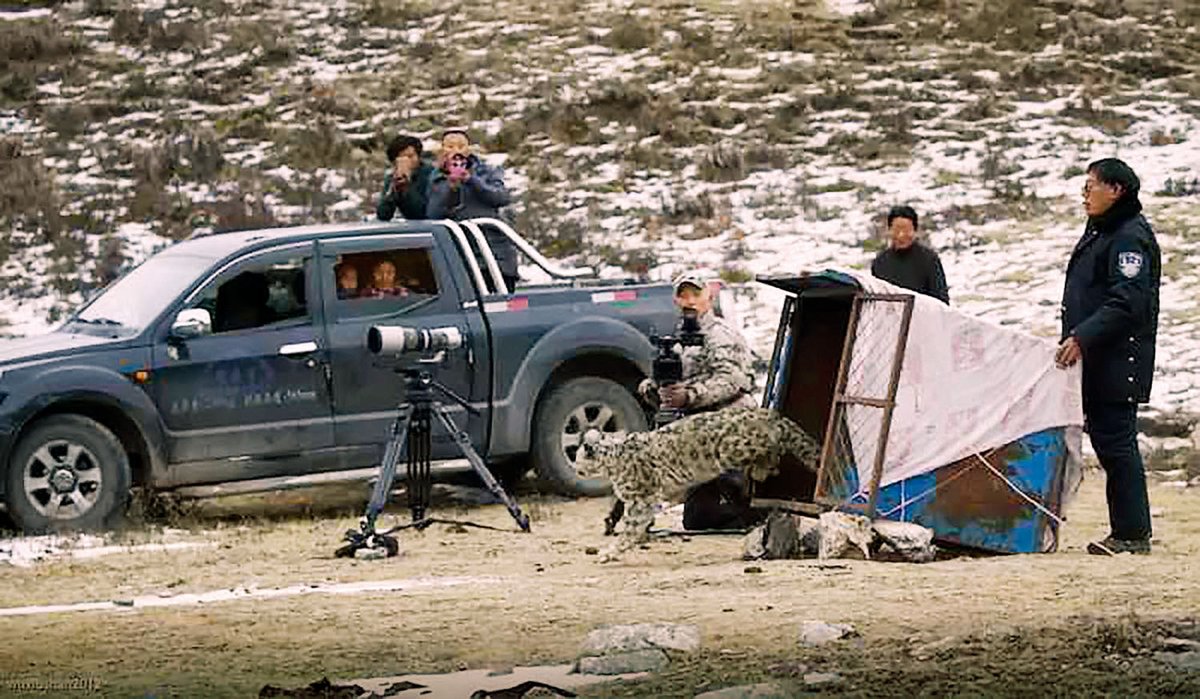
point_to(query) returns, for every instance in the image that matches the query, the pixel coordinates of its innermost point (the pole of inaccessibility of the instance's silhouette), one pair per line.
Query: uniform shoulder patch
(1129, 263)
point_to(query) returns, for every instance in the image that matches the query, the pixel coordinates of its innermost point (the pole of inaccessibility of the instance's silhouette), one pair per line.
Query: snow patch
(249, 593)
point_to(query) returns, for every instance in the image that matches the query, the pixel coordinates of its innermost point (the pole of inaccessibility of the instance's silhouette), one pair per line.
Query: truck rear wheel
(68, 473)
(565, 415)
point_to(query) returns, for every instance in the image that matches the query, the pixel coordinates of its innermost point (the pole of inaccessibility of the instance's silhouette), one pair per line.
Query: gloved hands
(674, 396)
(647, 390)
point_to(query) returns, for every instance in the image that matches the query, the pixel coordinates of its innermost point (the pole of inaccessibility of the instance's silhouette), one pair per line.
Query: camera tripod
(413, 425)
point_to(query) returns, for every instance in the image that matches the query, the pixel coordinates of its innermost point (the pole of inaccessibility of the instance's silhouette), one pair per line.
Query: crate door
(855, 444)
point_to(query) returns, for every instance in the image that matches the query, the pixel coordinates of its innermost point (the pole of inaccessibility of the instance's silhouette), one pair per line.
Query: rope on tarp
(924, 494)
(1031, 500)
(981, 459)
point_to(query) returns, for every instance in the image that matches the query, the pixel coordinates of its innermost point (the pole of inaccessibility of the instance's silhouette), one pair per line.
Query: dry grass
(549, 593)
(29, 195)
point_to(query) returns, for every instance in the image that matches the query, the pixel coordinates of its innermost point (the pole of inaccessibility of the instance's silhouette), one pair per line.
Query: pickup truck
(237, 362)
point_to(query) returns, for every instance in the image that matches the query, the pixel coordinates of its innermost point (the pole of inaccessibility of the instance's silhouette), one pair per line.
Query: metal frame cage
(853, 353)
(835, 371)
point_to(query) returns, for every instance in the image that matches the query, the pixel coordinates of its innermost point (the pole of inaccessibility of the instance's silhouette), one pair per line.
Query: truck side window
(383, 281)
(269, 290)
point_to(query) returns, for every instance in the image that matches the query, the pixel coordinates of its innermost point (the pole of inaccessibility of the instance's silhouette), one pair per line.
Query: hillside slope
(640, 136)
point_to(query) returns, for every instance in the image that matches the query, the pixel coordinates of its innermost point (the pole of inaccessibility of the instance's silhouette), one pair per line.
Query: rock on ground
(754, 543)
(817, 679)
(910, 542)
(631, 637)
(1187, 662)
(782, 538)
(837, 535)
(762, 690)
(845, 535)
(815, 633)
(927, 651)
(650, 660)
(791, 536)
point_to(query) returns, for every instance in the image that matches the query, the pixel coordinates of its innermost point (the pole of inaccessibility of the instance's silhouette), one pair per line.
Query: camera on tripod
(667, 367)
(411, 434)
(401, 339)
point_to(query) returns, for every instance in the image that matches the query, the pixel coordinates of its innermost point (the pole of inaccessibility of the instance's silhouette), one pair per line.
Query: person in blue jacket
(1110, 321)
(464, 187)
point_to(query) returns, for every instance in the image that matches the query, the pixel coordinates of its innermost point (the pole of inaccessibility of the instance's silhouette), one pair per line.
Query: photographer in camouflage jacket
(716, 374)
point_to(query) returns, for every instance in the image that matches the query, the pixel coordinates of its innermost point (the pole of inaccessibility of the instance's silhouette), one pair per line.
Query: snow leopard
(650, 467)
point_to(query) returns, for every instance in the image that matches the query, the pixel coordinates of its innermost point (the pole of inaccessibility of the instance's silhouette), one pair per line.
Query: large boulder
(626, 648)
(650, 660)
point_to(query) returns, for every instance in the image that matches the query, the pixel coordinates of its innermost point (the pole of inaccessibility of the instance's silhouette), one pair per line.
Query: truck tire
(68, 473)
(565, 414)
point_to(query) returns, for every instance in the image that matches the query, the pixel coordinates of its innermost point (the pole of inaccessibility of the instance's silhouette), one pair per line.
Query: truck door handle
(298, 348)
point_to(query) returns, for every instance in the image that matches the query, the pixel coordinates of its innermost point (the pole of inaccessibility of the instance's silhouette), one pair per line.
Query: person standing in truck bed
(465, 187)
(406, 184)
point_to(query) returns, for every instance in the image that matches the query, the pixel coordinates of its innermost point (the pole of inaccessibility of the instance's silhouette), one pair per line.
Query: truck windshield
(136, 299)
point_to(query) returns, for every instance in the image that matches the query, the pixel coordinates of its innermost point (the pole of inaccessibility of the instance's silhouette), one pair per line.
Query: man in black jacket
(406, 184)
(907, 262)
(1110, 320)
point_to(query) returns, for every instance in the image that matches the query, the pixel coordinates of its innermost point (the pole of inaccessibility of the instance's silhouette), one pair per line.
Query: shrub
(1182, 187)
(398, 13)
(110, 261)
(29, 196)
(321, 145)
(631, 33)
(732, 274)
(151, 27)
(240, 211)
(33, 50)
(723, 162)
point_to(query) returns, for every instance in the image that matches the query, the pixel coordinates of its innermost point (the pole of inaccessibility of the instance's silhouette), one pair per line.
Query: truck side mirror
(190, 323)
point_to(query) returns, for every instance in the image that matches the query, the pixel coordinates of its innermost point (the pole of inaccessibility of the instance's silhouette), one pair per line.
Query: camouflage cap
(693, 278)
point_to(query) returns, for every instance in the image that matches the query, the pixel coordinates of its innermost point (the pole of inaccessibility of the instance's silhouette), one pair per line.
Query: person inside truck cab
(465, 187)
(383, 281)
(347, 280)
(242, 302)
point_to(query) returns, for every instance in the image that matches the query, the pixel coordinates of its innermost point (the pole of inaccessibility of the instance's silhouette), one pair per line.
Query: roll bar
(531, 252)
(488, 258)
(468, 256)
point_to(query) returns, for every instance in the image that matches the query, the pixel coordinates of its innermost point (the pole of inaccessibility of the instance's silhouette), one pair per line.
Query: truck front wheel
(69, 472)
(565, 415)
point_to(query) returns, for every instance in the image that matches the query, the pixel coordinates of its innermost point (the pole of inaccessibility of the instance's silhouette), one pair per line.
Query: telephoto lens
(400, 339)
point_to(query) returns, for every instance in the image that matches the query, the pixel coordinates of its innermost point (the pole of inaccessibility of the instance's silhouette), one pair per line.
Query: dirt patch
(547, 594)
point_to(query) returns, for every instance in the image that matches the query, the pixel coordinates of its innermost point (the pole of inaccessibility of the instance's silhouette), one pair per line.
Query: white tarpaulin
(966, 386)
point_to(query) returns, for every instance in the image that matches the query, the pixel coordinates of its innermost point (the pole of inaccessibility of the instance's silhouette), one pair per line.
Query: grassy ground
(538, 594)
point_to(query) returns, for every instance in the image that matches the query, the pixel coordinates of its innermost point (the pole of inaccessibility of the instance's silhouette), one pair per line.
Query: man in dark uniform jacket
(1109, 320)
(908, 263)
